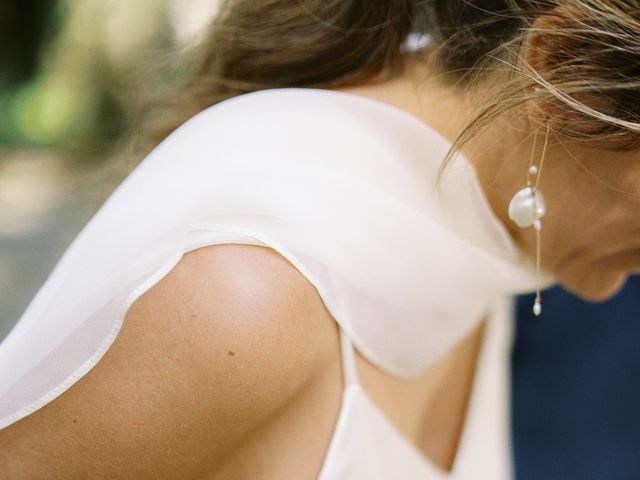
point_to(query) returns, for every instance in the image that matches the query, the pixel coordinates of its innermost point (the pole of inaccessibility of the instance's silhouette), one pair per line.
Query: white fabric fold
(338, 184)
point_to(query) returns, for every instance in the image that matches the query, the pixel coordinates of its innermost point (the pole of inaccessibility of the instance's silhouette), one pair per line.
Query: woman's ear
(546, 48)
(548, 37)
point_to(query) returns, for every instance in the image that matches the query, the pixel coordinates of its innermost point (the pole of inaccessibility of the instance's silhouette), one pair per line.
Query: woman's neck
(499, 155)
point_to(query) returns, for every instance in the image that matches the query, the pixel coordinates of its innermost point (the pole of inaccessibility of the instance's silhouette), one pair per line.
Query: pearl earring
(527, 208)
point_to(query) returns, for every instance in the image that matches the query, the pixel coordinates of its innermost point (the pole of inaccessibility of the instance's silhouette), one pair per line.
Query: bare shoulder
(216, 348)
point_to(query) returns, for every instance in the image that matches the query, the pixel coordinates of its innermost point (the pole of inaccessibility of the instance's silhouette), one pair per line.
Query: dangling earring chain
(533, 170)
(527, 208)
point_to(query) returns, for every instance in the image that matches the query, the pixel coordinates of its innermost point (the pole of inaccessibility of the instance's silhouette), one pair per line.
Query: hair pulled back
(591, 74)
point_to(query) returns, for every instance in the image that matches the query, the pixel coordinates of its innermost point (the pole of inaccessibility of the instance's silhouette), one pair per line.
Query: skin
(218, 392)
(271, 399)
(591, 232)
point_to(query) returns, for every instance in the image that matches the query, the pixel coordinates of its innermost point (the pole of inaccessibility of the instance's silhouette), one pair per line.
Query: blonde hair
(591, 50)
(591, 76)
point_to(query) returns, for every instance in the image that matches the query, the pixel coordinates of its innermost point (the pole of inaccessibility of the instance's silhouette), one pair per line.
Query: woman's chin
(596, 287)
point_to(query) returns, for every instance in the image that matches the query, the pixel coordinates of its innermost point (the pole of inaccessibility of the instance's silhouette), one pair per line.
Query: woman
(292, 284)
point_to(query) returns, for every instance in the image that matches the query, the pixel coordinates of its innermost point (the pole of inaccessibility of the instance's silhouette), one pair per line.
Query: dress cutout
(338, 184)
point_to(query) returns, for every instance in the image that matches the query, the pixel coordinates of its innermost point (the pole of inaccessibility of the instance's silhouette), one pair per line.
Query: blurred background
(70, 73)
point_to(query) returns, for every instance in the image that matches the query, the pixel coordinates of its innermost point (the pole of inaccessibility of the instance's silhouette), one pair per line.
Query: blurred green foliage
(67, 70)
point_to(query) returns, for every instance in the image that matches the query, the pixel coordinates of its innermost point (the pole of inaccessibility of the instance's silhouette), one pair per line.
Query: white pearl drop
(526, 207)
(533, 170)
(537, 308)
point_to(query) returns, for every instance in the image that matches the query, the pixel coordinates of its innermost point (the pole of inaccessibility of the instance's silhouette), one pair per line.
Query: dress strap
(349, 370)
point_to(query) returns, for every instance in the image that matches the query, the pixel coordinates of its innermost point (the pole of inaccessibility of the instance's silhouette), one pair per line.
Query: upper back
(213, 351)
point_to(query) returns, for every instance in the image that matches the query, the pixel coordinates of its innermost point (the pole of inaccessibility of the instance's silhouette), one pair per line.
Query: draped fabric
(338, 184)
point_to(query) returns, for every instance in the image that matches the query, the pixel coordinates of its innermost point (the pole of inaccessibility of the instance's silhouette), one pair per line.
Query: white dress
(341, 186)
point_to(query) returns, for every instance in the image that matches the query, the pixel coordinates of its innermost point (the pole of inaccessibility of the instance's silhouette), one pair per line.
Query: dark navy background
(576, 387)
